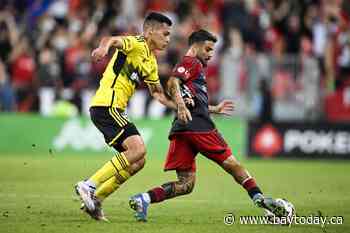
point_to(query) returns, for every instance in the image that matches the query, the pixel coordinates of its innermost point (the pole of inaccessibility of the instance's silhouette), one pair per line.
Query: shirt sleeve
(152, 76)
(185, 70)
(129, 43)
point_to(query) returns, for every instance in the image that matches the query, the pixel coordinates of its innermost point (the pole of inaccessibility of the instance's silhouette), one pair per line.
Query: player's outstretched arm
(183, 113)
(157, 92)
(226, 107)
(104, 46)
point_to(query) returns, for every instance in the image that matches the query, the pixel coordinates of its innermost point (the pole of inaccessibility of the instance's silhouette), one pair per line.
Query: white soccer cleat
(286, 217)
(98, 214)
(86, 194)
(275, 206)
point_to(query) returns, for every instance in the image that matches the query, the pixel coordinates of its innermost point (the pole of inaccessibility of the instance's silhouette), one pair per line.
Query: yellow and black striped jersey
(127, 68)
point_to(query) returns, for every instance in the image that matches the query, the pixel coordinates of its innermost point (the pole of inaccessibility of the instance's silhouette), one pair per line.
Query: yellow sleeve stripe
(116, 137)
(124, 44)
(151, 81)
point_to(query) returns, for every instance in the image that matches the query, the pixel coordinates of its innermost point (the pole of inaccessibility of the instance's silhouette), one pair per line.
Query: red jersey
(193, 83)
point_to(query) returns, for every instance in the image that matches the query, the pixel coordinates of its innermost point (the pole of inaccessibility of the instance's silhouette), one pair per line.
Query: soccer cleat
(86, 194)
(97, 214)
(271, 205)
(140, 206)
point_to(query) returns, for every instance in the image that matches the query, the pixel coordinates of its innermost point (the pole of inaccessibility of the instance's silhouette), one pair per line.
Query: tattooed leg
(184, 185)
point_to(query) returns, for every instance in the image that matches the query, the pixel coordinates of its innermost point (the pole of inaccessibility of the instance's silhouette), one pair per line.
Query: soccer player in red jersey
(193, 132)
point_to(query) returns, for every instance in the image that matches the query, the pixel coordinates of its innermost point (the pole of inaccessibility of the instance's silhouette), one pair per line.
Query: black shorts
(113, 124)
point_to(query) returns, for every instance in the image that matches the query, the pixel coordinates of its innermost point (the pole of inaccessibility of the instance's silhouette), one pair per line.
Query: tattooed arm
(174, 90)
(157, 92)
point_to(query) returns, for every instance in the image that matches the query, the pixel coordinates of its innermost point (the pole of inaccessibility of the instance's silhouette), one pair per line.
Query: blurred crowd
(277, 59)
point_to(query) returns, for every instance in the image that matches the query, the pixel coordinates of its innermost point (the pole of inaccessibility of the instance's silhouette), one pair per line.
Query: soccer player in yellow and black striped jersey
(132, 63)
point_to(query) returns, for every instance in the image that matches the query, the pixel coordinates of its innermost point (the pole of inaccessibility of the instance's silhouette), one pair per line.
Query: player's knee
(142, 162)
(137, 166)
(231, 165)
(135, 148)
(141, 151)
(138, 151)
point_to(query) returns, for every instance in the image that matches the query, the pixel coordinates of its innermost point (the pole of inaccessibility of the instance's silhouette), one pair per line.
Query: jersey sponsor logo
(140, 38)
(181, 69)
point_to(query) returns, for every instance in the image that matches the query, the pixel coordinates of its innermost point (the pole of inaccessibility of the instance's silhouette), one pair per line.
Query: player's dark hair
(157, 17)
(201, 36)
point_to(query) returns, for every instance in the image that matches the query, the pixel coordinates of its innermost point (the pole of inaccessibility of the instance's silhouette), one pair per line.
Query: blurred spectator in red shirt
(23, 75)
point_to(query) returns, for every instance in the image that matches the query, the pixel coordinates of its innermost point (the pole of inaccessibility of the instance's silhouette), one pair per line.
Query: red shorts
(185, 146)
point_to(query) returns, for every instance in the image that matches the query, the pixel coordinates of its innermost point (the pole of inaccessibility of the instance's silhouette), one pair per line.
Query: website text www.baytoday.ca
(231, 219)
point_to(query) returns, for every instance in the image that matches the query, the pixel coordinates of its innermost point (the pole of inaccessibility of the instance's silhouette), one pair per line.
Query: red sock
(157, 194)
(249, 184)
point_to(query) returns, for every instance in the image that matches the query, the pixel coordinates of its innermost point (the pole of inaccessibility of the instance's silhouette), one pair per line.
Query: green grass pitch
(36, 195)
